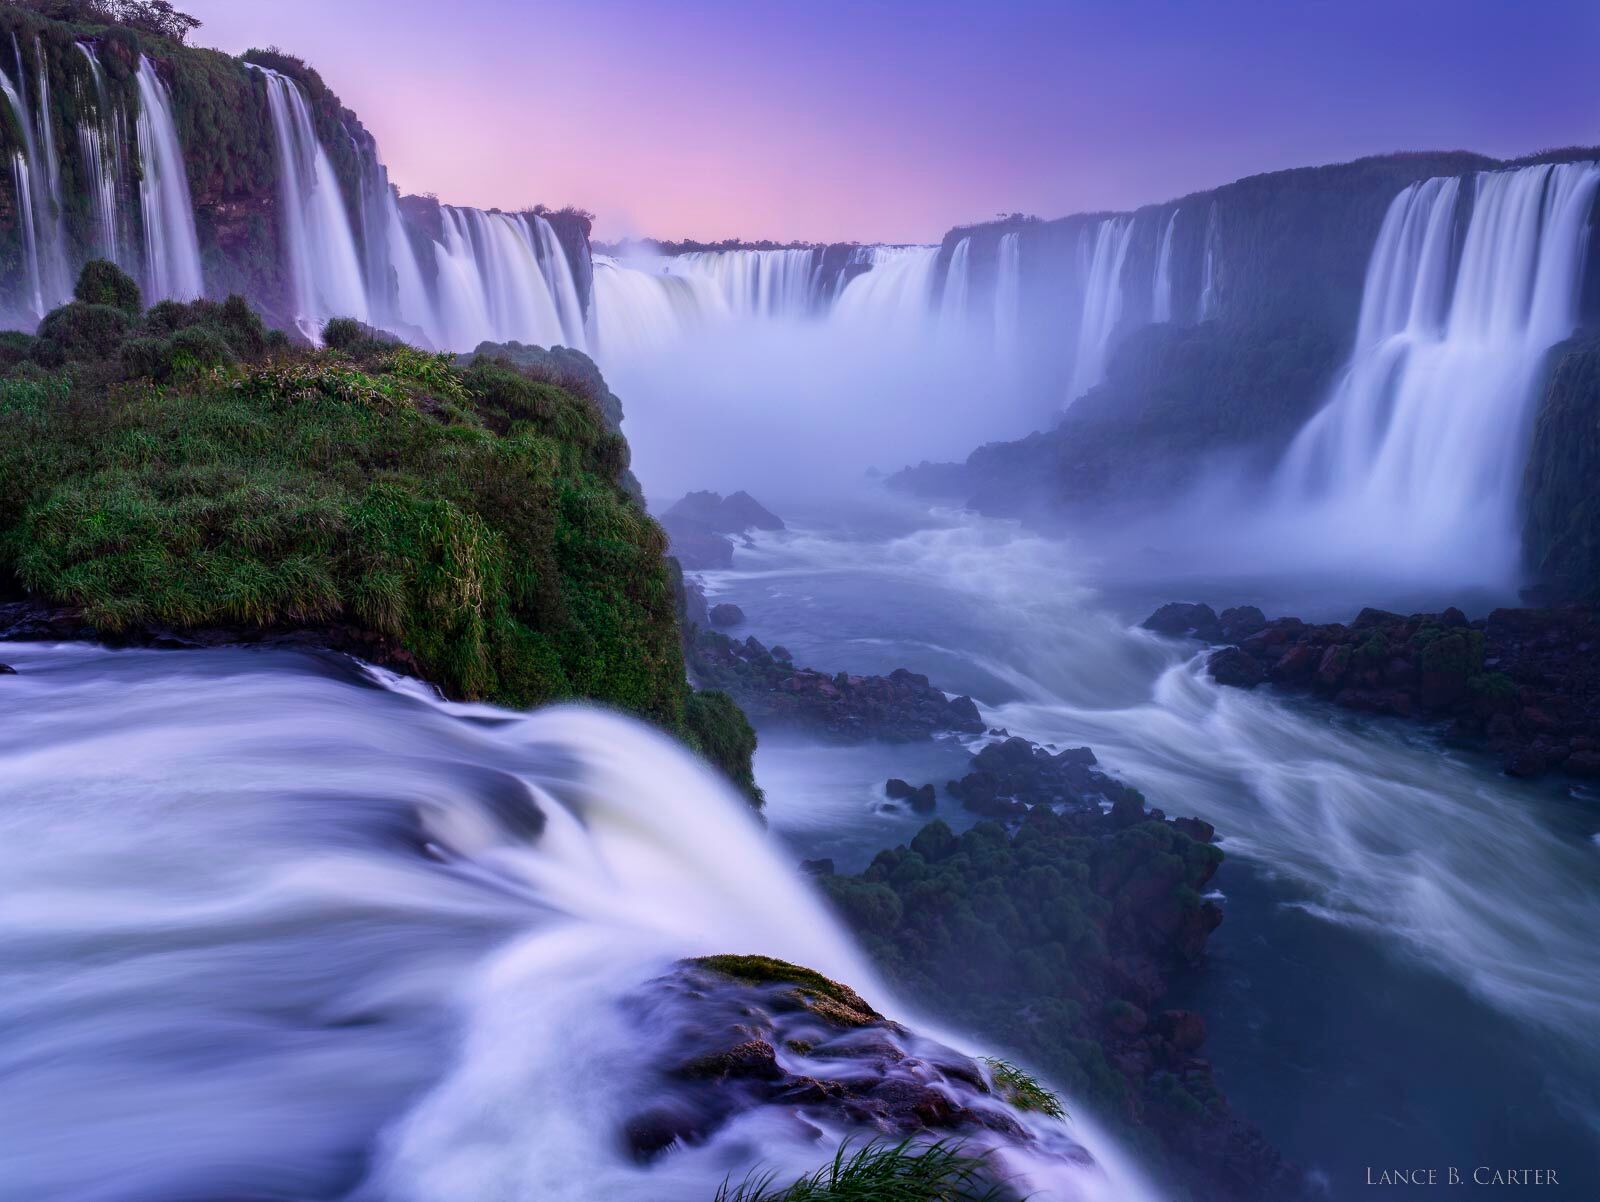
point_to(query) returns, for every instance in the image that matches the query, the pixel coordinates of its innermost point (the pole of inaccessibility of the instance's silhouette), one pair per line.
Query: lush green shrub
(470, 523)
(104, 283)
(80, 332)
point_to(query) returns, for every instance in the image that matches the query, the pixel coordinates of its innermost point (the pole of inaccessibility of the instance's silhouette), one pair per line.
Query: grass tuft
(1022, 1089)
(879, 1172)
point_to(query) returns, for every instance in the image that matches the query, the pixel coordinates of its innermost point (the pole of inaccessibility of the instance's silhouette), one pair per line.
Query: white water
(324, 266)
(1008, 296)
(100, 143)
(894, 294)
(30, 235)
(1161, 284)
(1210, 303)
(762, 283)
(171, 246)
(954, 299)
(272, 930)
(1418, 455)
(1102, 304)
(44, 245)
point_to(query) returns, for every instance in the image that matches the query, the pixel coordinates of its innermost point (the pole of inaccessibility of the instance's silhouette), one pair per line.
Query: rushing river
(277, 927)
(1408, 973)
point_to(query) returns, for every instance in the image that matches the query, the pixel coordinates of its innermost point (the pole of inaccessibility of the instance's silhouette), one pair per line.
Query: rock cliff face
(1561, 486)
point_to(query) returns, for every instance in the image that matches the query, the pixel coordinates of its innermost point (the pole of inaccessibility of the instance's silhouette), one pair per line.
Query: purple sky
(871, 120)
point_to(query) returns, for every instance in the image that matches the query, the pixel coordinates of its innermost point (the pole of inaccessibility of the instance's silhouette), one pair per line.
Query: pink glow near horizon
(885, 122)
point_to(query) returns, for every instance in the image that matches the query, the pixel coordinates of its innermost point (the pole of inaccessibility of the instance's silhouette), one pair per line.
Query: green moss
(827, 998)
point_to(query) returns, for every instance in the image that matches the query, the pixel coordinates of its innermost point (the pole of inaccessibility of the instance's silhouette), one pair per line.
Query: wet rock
(900, 707)
(1182, 619)
(822, 867)
(924, 800)
(726, 614)
(1241, 622)
(1234, 667)
(7, 670)
(733, 1035)
(896, 789)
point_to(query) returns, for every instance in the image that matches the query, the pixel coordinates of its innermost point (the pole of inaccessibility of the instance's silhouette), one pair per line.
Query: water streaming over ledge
(324, 267)
(280, 928)
(171, 246)
(1418, 454)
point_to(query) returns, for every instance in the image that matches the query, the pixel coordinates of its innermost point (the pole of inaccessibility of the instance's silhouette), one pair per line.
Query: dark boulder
(7, 670)
(738, 513)
(726, 614)
(1182, 619)
(1235, 668)
(1241, 622)
(896, 789)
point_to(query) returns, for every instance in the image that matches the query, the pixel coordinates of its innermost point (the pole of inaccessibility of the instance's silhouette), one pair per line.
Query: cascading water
(171, 246)
(324, 267)
(563, 285)
(44, 241)
(1417, 457)
(491, 285)
(1161, 284)
(30, 235)
(638, 310)
(954, 297)
(894, 293)
(1102, 304)
(100, 143)
(321, 935)
(1210, 303)
(1008, 296)
(763, 283)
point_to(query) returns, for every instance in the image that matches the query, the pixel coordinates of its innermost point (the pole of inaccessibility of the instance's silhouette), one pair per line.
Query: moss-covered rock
(469, 525)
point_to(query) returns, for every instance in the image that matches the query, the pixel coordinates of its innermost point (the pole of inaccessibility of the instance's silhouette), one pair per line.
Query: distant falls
(1418, 454)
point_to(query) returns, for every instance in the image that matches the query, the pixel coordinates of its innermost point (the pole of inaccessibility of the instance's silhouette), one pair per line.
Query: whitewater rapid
(275, 925)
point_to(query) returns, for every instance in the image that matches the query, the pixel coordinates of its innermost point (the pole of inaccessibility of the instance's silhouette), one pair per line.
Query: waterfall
(171, 247)
(30, 235)
(47, 126)
(100, 145)
(563, 285)
(1008, 295)
(1161, 285)
(643, 310)
(1419, 451)
(1102, 303)
(894, 295)
(1209, 305)
(324, 269)
(759, 283)
(957, 285)
(44, 242)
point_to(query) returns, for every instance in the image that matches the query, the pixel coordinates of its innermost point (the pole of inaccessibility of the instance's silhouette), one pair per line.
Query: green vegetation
(1028, 936)
(186, 468)
(1022, 1089)
(879, 1172)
